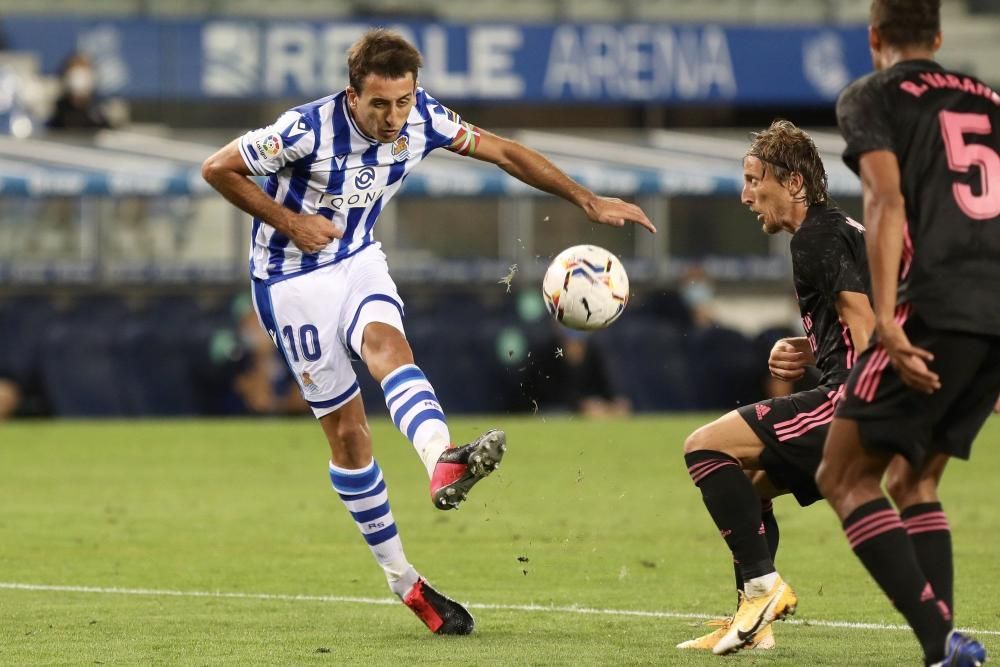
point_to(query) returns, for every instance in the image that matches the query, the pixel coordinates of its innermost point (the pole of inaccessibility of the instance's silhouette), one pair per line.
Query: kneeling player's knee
(827, 481)
(697, 441)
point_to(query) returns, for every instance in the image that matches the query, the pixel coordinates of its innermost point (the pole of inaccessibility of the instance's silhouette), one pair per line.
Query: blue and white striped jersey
(318, 160)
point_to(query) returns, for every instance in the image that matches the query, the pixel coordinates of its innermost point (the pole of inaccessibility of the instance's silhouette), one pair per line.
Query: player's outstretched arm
(228, 173)
(531, 167)
(885, 217)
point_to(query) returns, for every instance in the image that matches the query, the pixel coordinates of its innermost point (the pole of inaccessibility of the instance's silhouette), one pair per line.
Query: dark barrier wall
(113, 355)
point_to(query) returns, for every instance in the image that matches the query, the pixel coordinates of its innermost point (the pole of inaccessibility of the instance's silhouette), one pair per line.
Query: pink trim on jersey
(906, 260)
(872, 526)
(700, 471)
(871, 376)
(807, 421)
(852, 354)
(926, 523)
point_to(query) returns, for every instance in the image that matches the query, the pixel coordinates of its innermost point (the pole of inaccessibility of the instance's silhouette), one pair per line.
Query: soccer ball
(585, 287)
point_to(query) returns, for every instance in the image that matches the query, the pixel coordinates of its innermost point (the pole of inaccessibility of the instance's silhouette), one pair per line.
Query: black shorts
(892, 417)
(793, 429)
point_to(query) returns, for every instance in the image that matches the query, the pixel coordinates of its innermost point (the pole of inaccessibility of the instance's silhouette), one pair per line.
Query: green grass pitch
(590, 546)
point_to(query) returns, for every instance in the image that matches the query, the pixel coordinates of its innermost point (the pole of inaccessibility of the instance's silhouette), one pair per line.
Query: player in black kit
(926, 144)
(779, 442)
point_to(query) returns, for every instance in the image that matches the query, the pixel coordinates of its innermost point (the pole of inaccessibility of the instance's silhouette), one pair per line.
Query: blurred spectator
(698, 292)
(983, 6)
(249, 369)
(10, 398)
(15, 117)
(569, 373)
(77, 107)
(22, 397)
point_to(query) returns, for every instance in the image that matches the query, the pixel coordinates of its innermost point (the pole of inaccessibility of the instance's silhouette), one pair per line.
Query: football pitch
(221, 543)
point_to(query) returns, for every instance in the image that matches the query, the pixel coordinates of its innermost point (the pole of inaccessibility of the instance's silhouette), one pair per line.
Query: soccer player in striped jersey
(925, 142)
(774, 447)
(322, 289)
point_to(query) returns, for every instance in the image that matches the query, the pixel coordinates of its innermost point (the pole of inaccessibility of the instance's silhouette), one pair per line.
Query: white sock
(760, 585)
(415, 411)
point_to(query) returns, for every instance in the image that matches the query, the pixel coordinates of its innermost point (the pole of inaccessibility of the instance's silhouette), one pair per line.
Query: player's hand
(311, 232)
(786, 362)
(909, 360)
(615, 212)
(996, 408)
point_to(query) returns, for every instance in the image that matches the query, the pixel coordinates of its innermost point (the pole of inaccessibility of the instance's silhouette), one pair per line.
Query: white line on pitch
(552, 609)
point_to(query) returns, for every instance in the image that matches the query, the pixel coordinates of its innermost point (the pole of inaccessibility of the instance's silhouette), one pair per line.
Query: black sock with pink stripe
(735, 507)
(770, 527)
(927, 526)
(877, 536)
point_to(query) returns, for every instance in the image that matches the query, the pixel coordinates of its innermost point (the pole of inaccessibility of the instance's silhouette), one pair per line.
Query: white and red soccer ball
(585, 287)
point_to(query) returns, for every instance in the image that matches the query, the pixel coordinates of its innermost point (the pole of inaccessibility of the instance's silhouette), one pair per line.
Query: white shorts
(317, 320)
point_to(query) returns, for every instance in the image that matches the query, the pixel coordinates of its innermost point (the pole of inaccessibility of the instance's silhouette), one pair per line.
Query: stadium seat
(160, 348)
(647, 361)
(80, 367)
(23, 321)
(460, 362)
(725, 373)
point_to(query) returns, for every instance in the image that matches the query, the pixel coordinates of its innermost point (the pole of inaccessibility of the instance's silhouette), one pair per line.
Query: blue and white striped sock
(366, 498)
(415, 411)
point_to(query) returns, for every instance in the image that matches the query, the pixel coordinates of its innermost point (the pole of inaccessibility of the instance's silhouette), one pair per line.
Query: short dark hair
(382, 52)
(787, 149)
(907, 22)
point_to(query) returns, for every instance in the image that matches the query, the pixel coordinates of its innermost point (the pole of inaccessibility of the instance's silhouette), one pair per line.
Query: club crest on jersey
(268, 146)
(401, 148)
(308, 385)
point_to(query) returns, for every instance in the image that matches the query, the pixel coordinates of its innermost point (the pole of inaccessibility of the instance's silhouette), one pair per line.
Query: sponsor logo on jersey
(761, 411)
(268, 146)
(348, 200)
(365, 178)
(401, 148)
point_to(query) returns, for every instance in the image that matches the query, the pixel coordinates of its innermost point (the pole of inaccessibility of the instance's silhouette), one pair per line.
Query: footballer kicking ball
(585, 287)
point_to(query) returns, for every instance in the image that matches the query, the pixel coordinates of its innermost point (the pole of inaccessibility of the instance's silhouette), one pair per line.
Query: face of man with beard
(764, 195)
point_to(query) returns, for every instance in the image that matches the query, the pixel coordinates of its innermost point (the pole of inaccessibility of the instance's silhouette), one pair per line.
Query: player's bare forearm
(531, 167)
(226, 172)
(885, 216)
(884, 221)
(856, 313)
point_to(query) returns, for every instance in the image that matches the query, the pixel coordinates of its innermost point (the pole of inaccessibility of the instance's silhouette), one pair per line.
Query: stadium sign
(565, 62)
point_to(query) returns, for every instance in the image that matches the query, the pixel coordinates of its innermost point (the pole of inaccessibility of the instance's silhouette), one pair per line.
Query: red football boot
(459, 468)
